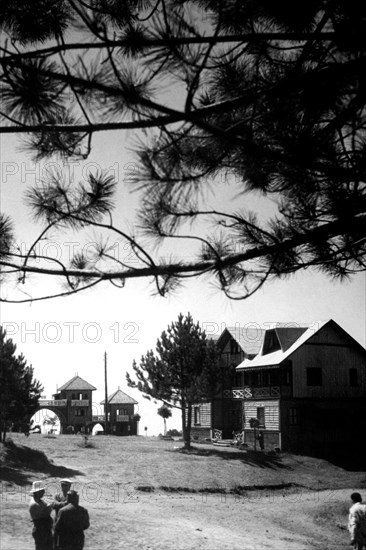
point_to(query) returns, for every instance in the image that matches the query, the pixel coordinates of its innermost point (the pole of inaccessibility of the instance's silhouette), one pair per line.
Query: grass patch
(20, 462)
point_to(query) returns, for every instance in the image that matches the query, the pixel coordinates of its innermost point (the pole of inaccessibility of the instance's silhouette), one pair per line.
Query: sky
(65, 336)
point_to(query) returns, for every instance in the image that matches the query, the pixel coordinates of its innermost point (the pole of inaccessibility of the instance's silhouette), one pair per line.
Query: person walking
(40, 513)
(71, 522)
(260, 438)
(60, 498)
(357, 522)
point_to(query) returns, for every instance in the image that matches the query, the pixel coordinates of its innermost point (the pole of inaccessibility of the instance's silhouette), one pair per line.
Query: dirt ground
(150, 521)
(124, 516)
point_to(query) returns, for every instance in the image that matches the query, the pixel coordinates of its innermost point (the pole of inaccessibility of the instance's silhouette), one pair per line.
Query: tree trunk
(186, 427)
(164, 426)
(187, 440)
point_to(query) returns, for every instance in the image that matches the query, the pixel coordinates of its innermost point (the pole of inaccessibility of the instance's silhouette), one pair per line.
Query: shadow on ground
(252, 458)
(19, 463)
(352, 461)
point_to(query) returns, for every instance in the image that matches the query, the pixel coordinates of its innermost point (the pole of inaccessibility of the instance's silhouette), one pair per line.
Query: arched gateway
(73, 404)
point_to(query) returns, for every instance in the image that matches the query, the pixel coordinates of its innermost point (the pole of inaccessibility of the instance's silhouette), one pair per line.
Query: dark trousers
(73, 543)
(42, 533)
(43, 540)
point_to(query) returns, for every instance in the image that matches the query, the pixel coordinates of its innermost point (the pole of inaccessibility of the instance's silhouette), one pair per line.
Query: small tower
(122, 410)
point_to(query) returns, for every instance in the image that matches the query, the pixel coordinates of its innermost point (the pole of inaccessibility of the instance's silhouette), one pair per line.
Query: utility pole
(106, 427)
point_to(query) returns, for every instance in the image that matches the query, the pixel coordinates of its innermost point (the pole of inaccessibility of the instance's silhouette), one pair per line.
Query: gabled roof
(76, 384)
(119, 398)
(281, 338)
(275, 358)
(249, 339)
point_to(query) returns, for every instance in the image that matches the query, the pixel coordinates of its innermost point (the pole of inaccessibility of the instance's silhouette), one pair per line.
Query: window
(260, 416)
(293, 416)
(353, 380)
(239, 379)
(196, 413)
(314, 376)
(79, 412)
(286, 373)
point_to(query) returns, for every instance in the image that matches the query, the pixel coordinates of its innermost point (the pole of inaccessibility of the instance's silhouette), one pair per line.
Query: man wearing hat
(71, 522)
(60, 499)
(40, 513)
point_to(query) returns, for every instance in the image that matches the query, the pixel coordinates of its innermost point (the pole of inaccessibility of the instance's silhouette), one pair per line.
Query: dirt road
(132, 520)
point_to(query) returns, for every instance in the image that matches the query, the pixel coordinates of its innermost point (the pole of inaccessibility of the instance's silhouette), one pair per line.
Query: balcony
(80, 402)
(122, 418)
(98, 417)
(250, 392)
(52, 402)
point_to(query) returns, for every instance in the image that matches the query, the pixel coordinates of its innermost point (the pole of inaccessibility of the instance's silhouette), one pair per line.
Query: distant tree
(50, 420)
(137, 417)
(268, 96)
(184, 370)
(165, 412)
(19, 391)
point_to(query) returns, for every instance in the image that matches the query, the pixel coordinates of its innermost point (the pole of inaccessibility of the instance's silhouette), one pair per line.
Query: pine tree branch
(326, 231)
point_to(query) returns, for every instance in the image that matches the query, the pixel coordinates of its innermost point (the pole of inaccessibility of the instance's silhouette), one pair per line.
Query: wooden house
(73, 403)
(306, 387)
(223, 414)
(121, 414)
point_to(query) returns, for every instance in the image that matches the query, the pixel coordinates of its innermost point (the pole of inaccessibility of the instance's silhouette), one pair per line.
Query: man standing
(40, 513)
(60, 499)
(357, 522)
(70, 524)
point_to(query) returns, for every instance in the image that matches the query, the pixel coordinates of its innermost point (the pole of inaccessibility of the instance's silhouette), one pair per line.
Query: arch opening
(98, 428)
(47, 421)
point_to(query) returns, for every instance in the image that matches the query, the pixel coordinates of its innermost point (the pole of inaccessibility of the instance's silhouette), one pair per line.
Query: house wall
(73, 419)
(126, 427)
(323, 426)
(271, 413)
(330, 350)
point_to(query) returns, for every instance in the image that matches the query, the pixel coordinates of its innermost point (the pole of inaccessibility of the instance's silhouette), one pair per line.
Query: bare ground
(146, 494)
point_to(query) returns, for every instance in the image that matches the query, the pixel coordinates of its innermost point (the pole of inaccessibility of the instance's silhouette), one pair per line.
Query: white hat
(66, 481)
(37, 487)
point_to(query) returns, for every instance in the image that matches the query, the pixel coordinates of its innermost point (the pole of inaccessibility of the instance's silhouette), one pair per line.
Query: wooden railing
(122, 418)
(79, 402)
(52, 402)
(251, 392)
(98, 417)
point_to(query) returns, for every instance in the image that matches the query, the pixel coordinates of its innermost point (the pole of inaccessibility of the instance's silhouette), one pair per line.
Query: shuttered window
(260, 416)
(293, 416)
(197, 416)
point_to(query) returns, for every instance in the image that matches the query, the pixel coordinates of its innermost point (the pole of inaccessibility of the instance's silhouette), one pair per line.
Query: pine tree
(19, 390)
(185, 369)
(268, 96)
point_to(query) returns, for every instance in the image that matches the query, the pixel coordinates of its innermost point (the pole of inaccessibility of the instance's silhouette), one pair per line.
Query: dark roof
(278, 355)
(249, 339)
(76, 383)
(285, 336)
(119, 397)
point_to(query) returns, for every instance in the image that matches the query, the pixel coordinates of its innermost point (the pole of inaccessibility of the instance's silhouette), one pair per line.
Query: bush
(174, 433)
